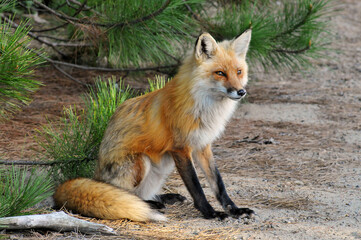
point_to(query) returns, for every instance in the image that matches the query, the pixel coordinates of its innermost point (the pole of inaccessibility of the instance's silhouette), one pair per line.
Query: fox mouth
(234, 98)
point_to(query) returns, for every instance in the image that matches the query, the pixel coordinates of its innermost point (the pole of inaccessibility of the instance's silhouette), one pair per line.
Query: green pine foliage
(151, 41)
(285, 34)
(16, 68)
(21, 189)
(74, 145)
(135, 34)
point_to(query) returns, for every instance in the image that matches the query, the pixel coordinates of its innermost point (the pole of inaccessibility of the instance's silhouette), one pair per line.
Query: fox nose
(241, 92)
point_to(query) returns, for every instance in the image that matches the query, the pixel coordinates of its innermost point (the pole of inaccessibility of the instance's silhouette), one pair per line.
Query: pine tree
(17, 64)
(141, 35)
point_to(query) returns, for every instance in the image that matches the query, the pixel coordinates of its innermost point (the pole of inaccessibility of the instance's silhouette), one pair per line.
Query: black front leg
(188, 174)
(226, 202)
(206, 161)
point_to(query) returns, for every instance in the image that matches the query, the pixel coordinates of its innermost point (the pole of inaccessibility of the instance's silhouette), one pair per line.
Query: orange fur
(101, 200)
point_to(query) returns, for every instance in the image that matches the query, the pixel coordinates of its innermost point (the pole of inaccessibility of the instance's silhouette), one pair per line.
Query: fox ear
(241, 43)
(206, 47)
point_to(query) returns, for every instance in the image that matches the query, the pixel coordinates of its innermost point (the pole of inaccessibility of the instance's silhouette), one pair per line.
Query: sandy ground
(292, 153)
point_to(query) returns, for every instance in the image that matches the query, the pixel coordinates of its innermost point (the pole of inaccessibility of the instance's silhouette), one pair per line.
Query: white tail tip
(158, 217)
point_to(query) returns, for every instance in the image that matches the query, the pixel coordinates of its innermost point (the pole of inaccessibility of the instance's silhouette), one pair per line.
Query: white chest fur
(214, 115)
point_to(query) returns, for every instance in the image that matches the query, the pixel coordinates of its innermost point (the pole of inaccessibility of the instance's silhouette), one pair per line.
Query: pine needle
(21, 189)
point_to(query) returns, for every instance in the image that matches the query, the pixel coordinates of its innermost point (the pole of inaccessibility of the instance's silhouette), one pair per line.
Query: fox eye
(239, 72)
(220, 73)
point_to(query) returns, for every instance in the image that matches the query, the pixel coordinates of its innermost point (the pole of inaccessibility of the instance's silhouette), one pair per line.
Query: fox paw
(155, 204)
(242, 212)
(221, 215)
(171, 198)
(216, 214)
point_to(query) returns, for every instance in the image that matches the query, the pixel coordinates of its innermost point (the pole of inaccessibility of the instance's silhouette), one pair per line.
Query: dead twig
(40, 163)
(255, 139)
(68, 75)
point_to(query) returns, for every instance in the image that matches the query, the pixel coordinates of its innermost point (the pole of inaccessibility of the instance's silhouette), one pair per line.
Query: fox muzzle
(235, 94)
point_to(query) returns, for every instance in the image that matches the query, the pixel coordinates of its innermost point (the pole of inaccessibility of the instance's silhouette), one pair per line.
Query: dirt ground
(292, 153)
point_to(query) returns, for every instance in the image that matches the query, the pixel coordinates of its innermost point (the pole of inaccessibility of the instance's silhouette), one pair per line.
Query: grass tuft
(21, 190)
(74, 145)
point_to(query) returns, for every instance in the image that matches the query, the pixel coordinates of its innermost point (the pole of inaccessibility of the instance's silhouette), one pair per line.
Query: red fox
(175, 125)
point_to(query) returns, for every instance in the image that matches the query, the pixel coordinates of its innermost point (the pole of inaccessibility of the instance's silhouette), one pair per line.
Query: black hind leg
(168, 198)
(171, 198)
(155, 204)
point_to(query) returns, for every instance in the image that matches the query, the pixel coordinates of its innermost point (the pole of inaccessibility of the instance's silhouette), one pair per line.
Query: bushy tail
(101, 200)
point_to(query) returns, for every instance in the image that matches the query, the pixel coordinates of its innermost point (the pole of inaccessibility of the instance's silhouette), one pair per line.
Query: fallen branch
(58, 221)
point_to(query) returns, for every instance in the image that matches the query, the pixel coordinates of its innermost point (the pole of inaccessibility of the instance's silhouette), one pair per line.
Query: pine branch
(89, 68)
(115, 34)
(68, 75)
(78, 41)
(298, 51)
(281, 39)
(51, 29)
(108, 25)
(56, 38)
(71, 6)
(298, 24)
(54, 63)
(40, 163)
(145, 18)
(178, 60)
(16, 68)
(194, 15)
(67, 44)
(86, 8)
(52, 45)
(24, 163)
(202, 21)
(79, 10)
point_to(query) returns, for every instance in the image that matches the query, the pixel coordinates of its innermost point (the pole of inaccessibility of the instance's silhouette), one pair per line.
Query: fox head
(221, 67)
